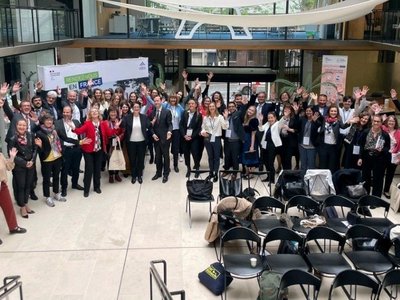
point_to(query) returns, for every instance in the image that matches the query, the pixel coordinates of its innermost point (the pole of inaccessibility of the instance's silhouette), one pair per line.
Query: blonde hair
(89, 116)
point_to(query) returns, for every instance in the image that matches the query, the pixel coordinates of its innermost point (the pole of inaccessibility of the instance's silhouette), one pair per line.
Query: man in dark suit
(71, 151)
(190, 127)
(76, 106)
(161, 133)
(321, 107)
(234, 136)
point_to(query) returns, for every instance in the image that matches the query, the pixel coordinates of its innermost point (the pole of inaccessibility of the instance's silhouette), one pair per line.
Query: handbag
(214, 278)
(117, 160)
(357, 190)
(199, 189)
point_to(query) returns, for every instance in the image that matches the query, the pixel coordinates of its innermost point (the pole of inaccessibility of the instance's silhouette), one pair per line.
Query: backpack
(269, 286)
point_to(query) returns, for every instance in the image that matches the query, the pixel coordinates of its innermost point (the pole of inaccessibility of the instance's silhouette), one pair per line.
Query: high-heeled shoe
(24, 213)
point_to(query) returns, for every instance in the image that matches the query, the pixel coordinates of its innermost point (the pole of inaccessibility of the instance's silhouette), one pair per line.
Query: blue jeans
(307, 158)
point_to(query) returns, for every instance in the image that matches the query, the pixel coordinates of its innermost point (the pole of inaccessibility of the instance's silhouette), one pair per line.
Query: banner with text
(334, 70)
(127, 73)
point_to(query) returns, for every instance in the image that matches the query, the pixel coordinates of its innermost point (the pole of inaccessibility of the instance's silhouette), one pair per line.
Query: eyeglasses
(377, 121)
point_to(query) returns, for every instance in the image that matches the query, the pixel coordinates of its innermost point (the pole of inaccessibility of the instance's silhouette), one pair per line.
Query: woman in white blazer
(270, 141)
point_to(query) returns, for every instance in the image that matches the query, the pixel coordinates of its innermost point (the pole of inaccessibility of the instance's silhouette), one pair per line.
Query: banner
(127, 73)
(334, 70)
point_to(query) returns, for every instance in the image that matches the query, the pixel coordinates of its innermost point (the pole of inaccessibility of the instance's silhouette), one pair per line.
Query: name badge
(212, 138)
(356, 150)
(114, 142)
(228, 133)
(264, 144)
(189, 132)
(306, 140)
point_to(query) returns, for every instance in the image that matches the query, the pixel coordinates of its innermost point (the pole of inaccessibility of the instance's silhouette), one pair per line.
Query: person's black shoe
(261, 168)
(165, 179)
(176, 169)
(386, 194)
(17, 230)
(126, 175)
(80, 171)
(63, 192)
(197, 174)
(97, 190)
(77, 187)
(133, 180)
(86, 194)
(215, 179)
(33, 196)
(155, 177)
(140, 179)
(209, 177)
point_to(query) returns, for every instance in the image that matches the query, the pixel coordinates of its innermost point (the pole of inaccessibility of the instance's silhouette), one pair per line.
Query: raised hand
(58, 90)
(393, 94)
(12, 153)
(210, 75)
(299, 90)
(90, 83)
(4, 89)
(295, 106)
(225, 114)
(1, 102)
(84, 93)
(339, 90)
(357, 94)
(254, 89)
(38, 142)
(33, 117)
(39, 85)
(197, 81)
(365, 90)
(163, 86)
(314, 96)
(185, 75)
(16, 87)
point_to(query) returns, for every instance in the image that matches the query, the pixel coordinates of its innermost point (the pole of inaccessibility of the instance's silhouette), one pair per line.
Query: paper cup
(253, 262)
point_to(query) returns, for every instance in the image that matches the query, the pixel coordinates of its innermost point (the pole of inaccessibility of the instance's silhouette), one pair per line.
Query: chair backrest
(303, 202)
(391, 278)
(336, 200)
(370, 200)
(266, 203)
(354, 277)
(240, 233)
(283, 234)
(325, 233)
(300, 277)
(362, 231)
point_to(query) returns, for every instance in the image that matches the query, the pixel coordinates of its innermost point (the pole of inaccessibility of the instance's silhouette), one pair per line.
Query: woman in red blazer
(92, 149)
(110, 140)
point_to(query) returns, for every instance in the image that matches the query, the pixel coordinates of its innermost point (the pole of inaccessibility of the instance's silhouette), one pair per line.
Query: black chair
(392, 280)
(395, 256)
(283, 262)
(238, 263)
(299, 277)
(334, 202)
(369, 259)
(266, 205)
(308, 207)
(205, 198)
(230, 184)
(373, 202)
(353, 278)
(328, 261)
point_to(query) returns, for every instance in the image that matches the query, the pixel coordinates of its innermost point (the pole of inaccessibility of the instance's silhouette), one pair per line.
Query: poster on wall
(334, 70)
(127, 73)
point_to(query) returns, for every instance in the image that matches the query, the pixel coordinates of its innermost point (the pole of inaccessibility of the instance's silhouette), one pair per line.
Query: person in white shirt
(212, 127)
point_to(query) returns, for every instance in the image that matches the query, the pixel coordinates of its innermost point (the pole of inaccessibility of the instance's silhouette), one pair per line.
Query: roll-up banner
(334, 70)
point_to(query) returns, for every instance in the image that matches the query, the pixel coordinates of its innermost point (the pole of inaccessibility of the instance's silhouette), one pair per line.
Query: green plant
(308, 84)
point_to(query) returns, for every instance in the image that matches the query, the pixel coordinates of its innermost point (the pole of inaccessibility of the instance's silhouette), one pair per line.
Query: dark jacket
(60, 128)
(313, 134)
(195, 124)
(127, 123)
(384, 154)
(335, 128)
(26, 152)
(163, 126)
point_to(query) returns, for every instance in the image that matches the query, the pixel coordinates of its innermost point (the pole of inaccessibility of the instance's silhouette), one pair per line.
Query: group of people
(348, 132)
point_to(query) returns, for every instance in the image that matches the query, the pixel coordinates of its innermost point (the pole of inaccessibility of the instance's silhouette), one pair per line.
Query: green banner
(80, 77)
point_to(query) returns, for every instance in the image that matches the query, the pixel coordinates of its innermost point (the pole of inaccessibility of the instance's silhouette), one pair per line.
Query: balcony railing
(383, 26)
(28, 25)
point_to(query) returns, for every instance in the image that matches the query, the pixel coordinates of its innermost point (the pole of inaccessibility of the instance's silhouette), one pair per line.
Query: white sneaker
(50, 202)
(58, 197)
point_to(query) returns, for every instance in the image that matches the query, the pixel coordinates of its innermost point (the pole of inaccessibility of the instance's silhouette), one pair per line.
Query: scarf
(330, 120)
(22, 139)
(55, 141)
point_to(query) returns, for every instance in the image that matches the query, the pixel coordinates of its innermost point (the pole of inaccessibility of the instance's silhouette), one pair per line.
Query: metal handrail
(162, 283)
(10, 284)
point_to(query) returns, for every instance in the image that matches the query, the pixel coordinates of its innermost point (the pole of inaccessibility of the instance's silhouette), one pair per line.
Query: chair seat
(395, 260)
(264, 225)
(239, 265)
(370, 261)
(211, 199)
(336, 224)
(299, 228)
(282, 263)
(328, 263)
(379, 224)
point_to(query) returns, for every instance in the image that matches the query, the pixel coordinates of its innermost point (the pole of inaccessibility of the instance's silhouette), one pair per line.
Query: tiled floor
(100, 247)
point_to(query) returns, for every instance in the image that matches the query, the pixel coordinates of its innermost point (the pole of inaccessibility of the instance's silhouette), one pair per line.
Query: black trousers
(328, 157)
(194, 148)
(390, 170)
(374, 166)
(22, 183)
(71, 162)
(150, 144)
(214, 154)
(269, 159)
(51, 169)
(162, 157)
(175, 145)
(232, 151)
(136, 153)
(92, 169)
